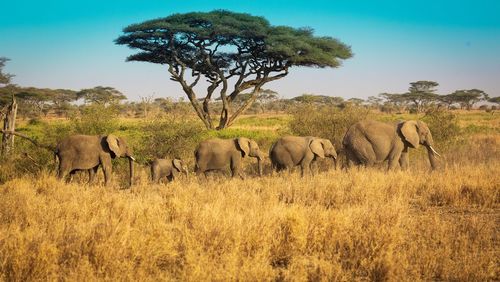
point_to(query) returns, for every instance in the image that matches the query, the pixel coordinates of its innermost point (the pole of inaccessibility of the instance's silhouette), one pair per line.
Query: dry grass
(361, 224)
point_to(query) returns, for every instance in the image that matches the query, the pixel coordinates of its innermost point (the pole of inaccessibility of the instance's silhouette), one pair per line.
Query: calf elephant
(161, 168)
(369, 142)
(217, 154)
(291, 151)
(84, 152)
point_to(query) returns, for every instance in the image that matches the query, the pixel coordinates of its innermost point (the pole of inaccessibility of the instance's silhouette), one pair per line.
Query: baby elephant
(170, 169)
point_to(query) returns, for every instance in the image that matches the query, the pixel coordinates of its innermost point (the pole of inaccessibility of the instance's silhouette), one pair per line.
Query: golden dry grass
(361, 224)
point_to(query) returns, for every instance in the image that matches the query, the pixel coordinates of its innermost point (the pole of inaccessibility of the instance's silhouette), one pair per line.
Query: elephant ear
(244, 145)
(177, 164)
(409, 129)
(113, 144)
(316, 147)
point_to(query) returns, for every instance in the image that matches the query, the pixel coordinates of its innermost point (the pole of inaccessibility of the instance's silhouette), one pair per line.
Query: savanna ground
(359, 224)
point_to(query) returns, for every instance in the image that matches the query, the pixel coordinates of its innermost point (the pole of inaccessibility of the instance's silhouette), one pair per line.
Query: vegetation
(227, 48)
(361, 224)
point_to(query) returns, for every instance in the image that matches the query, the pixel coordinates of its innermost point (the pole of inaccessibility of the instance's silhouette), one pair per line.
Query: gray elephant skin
(218, 154)
(369, 142)
(85, 152)
(167, 168)
(290, 151)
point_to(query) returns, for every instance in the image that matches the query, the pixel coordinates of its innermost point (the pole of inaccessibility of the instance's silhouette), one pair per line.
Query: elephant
(369, 142)
(85, 152)
(290, 151)
(217, 154)
(170, 169)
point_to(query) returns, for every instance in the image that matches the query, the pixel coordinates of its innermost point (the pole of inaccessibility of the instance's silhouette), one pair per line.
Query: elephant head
(250, 148)
(180, 166)
(323, 148)
(119, 148)
(417, 133)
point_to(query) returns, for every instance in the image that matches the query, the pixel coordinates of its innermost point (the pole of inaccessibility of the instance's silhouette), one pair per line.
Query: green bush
(327, 122)
(167, 138)
(443, 125)
(95, 119)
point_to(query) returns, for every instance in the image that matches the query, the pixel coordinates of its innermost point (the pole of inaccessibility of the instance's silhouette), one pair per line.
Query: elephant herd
(365, 143)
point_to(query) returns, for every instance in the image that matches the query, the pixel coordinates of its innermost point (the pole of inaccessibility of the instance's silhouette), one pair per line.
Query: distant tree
(495, 100)
(4, 77)
(393, 101)
(356, 101)
(467, 98)
(421, 94)
(374, 101)
(318, 99)
(101, 95)
(235, 52)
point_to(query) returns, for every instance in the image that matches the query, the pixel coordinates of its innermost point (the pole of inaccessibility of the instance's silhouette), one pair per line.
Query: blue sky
(69, 44)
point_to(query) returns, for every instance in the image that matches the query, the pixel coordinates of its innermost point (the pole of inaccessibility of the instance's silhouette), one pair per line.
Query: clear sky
(69, 44)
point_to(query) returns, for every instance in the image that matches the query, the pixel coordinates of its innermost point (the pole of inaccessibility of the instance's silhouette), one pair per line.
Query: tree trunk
(9, 124)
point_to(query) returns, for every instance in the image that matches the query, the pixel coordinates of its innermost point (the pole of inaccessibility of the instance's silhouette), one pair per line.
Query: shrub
(167, 138)
(327, 122)
(94, 120)
(443, 125)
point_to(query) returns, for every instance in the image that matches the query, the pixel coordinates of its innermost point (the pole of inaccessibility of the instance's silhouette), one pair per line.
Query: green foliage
(326, 122)
(444, 127)
(221, 45)
(101, 95)
(95, 119)
(4, 77)
(466, 98)
(167, 138)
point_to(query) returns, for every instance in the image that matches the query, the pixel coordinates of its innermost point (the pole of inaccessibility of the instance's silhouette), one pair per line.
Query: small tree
(101, 95)
(227, 49)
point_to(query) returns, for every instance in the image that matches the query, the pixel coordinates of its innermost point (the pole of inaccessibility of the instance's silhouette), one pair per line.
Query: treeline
(43, 102)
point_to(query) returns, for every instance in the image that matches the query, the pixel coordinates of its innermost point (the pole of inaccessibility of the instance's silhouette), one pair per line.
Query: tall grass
(359, 224)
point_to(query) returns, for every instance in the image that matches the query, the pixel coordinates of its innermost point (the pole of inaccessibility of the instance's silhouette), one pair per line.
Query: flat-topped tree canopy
(223, 45)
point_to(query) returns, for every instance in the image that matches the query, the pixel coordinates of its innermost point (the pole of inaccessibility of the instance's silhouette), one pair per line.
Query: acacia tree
(421, 93)
(467, 98)
(101, 95)
(235, 52)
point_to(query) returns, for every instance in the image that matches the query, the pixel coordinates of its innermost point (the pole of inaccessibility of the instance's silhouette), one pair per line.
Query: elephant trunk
(432, 156)
(131, 167)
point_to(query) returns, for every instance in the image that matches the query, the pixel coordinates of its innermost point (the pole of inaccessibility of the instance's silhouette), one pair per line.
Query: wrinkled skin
(370, 142)
(166, 168)
(291, 151)
(217, 154)
(85, 152)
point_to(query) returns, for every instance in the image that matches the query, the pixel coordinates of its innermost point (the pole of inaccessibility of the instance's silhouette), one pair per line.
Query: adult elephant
(217, 154)
(85, 152)
(291, 151)
(369, 142)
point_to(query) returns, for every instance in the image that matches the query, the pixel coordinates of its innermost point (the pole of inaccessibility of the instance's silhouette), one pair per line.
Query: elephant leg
(404, 160)
(236, 168)
(170, 177)
(63, 171)
(107, 168)
(393, 160)
(92, 173)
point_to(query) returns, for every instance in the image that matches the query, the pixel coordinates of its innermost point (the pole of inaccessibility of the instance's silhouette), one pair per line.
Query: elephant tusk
(132, 158)
(434, 151)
